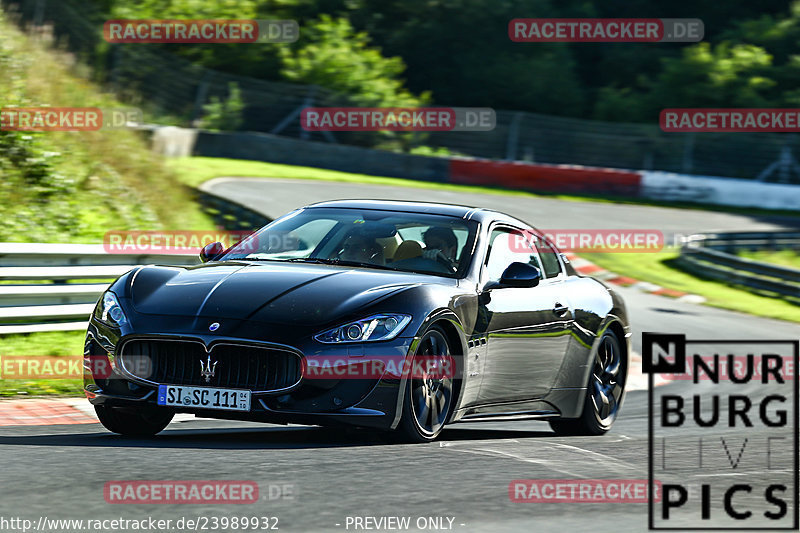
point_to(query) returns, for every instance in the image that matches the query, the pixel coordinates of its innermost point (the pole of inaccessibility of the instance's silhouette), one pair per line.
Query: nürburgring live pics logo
(724, 443)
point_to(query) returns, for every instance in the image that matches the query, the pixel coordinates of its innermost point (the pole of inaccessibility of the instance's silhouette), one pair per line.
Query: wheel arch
(614, 324)
(454, 331)
(578, 381)
(457, 341)
(616, 327)
(625, 345)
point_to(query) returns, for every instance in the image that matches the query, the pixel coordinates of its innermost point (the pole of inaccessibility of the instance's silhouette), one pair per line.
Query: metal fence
(171, 85)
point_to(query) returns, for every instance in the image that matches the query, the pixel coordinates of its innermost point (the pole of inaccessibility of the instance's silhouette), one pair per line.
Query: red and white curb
(55, 411)
(587, 268)
(43, 412)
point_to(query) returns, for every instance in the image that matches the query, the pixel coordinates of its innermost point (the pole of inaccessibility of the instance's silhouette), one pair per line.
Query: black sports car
(322, 316)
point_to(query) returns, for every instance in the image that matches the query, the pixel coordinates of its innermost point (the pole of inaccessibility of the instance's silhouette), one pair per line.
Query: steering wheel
(444, 260)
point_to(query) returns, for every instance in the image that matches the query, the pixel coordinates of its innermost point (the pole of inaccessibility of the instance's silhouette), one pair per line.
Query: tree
(332, 55)
(224, 115)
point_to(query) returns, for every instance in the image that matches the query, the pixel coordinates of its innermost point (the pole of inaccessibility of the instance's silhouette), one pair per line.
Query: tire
(134, 422)
(604, 392)
(427, 401)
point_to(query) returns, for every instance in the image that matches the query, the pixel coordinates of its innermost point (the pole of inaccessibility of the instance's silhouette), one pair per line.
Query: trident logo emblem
(207, 370)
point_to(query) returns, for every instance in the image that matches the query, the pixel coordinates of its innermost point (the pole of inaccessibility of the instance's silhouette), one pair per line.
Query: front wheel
(134, 422)
(428, 398)
(603, 394)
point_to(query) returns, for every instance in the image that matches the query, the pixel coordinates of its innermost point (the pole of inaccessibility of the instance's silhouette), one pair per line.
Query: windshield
(411, 242)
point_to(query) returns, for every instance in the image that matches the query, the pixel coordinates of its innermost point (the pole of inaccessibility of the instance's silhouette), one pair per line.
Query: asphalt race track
(60, 471)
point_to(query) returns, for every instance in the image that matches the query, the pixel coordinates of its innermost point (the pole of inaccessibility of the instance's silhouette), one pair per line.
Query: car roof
(461, 211)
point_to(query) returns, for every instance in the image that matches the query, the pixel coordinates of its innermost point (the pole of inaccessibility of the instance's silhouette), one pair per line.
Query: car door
(526, 328)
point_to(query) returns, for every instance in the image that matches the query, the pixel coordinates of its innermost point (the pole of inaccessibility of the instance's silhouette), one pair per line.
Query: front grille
(238, 366)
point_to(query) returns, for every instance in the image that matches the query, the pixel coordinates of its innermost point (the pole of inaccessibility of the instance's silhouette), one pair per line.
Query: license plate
(204, 397)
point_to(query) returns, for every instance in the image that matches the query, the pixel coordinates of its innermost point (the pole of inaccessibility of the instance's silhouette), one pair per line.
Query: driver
(440, 242)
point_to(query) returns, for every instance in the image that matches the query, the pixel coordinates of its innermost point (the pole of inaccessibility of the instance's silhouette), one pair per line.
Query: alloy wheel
(432, 393)
(607, 383)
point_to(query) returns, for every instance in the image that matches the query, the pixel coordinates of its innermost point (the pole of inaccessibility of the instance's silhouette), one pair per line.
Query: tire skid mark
(488, 452)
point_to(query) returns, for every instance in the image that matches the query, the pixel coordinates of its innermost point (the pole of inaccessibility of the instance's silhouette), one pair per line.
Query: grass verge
(57, 343)
(74, 186)
(661, 269)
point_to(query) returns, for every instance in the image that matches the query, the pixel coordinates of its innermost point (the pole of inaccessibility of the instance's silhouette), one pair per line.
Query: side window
(552, 267)
(508, 246)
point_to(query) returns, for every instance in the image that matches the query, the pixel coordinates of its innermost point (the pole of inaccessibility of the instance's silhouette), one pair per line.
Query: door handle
(560, 310)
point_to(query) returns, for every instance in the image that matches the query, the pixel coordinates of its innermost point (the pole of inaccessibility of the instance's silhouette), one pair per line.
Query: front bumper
(374, 403)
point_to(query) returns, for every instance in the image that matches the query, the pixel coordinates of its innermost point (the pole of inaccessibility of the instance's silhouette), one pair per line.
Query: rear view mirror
(379, 230)
(211, 251)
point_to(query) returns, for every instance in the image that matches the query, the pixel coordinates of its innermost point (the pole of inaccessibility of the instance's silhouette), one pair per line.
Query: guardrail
(48, 302)
(711, 255)
(45, 300)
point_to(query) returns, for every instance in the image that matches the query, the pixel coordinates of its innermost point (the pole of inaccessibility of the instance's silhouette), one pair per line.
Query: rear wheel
(603, 394)
(135, 422)
(428, 397)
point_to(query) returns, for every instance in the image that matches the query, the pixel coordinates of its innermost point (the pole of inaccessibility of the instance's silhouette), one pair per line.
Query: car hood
(278, 293)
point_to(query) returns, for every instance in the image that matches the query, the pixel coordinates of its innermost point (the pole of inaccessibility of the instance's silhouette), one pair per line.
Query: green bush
(224, 115)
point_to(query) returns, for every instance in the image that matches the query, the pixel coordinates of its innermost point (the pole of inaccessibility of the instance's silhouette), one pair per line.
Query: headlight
(374, 328)
(110, 311)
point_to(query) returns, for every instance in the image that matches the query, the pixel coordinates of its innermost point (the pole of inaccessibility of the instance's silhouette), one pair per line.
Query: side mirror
(211, 251)
(518, 275)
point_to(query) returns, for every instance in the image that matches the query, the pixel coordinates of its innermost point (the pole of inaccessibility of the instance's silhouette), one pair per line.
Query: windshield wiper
(320, 260)
(364, 264)
(291, 259)
(339, 262)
